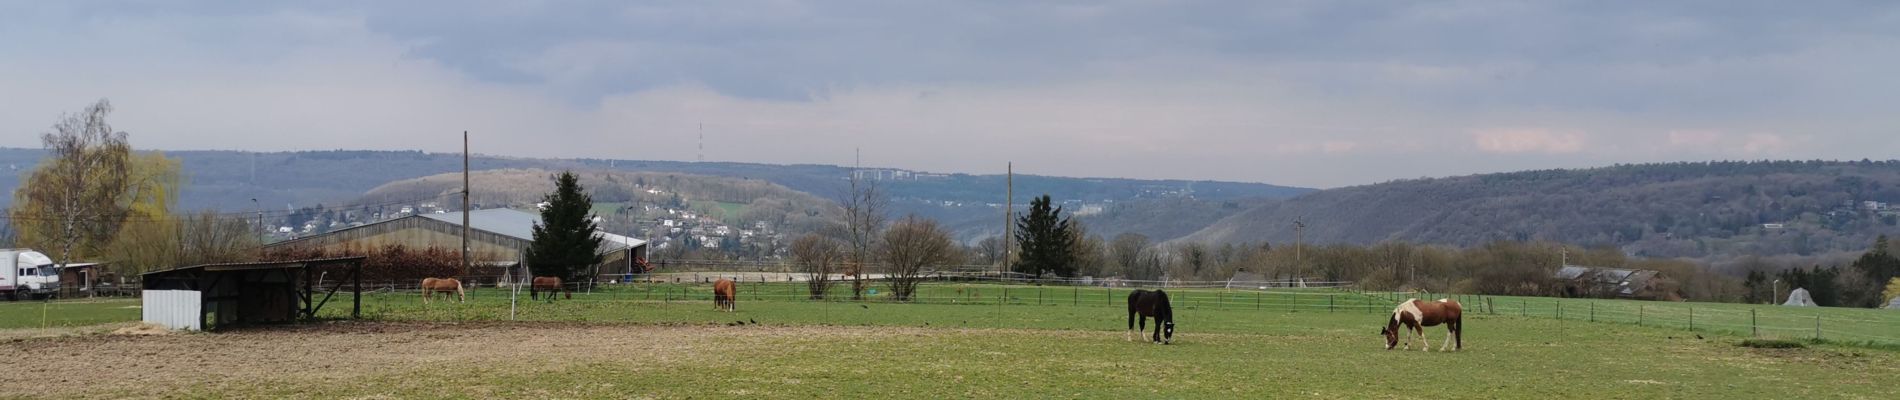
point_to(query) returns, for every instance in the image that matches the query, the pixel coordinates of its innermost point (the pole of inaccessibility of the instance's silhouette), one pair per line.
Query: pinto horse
(724, 294)
(548, 284)
(1415, 315)
(1143, 304)
(445, 286)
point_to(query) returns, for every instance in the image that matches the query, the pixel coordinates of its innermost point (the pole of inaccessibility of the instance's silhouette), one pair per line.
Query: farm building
(216, 296)
(496, 237)
(1582, 281)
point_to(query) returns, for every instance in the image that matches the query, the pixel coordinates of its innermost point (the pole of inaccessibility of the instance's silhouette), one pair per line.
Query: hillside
(968, 204)
(1661, 210)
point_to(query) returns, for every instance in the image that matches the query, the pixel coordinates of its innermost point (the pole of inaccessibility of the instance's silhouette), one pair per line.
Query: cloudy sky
(1319, 93)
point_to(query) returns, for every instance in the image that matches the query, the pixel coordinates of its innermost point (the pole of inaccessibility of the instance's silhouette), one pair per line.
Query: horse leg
(1458, 331)
(1424, 343)
(1449, 332)
(425, 296)
(1144, 325)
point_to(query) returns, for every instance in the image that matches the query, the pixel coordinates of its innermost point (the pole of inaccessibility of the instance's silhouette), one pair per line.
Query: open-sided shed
(215, 296)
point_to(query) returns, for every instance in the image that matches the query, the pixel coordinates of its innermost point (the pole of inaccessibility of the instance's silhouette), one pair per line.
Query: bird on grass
(754, 321)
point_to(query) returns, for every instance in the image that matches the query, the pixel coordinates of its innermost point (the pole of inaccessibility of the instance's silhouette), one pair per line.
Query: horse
(443, 285)
(548, 284)
(724, 294)
(1415, 315)
(1143, 304)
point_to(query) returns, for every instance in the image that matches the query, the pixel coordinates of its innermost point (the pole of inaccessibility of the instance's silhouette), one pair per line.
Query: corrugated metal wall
(174, 309)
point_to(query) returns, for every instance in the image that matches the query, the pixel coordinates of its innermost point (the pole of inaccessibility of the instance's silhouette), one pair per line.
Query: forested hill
(969, 204)
(1664, 210)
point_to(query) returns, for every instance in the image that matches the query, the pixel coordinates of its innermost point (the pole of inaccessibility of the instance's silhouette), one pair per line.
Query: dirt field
(137, 363)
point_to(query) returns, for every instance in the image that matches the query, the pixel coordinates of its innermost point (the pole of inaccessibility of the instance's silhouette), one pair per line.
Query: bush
(1771, 344)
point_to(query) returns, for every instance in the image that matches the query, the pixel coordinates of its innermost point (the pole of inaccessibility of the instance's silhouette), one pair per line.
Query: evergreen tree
(1879, 266)
(1043, 235)
(565, 243)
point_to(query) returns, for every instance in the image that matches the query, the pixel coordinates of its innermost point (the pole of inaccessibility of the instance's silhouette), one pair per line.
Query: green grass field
(977, 341)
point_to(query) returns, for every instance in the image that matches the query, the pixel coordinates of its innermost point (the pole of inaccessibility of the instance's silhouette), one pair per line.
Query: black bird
(1698, 336)
(865, 306)
(754, 321)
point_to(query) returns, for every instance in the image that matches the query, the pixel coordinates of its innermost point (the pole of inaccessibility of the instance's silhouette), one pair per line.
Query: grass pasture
(965, 341)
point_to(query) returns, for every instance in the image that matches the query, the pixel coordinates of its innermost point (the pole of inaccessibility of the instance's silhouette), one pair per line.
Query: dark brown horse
(1143, 304)
(1414, 315)
(446, 286)
(724, 294)
(548, 284)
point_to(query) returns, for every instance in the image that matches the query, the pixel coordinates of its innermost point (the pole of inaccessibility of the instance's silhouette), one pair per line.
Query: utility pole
(1299, 241)
(1009, 215)
(262, 232)
(465, 203)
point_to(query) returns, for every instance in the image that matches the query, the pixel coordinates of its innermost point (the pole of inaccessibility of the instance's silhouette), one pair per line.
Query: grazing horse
(1415, 315)
(548, 284)
(1143, 304)
(443, 285)
(724, 294)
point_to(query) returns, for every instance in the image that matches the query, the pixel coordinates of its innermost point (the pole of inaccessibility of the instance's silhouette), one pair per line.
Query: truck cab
(28, 274)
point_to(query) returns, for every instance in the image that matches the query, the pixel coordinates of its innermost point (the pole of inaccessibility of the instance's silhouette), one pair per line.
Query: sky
(1305, 93)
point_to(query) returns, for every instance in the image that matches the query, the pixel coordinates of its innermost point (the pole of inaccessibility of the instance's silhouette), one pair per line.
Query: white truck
(27, 274)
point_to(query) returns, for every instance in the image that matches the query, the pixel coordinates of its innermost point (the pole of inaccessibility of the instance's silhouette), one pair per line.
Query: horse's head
(1167, 331)
(1391, 332)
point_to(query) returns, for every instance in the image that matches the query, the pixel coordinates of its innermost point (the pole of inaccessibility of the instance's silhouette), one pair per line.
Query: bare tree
(819, 256)
(864, 215)
(909, 248)
(73, 202)
(1125, 253)
(989, 250)
(1086, 251)
(206, 238)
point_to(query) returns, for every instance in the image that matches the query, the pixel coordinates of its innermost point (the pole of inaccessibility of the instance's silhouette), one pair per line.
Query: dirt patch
(142, 330)
(169, 364)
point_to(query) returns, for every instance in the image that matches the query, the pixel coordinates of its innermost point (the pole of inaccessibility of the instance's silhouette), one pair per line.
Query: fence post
(1692, 319)
(1817, 326)
(1560, 310)
(1523, 308)
(1256, 300)
(1639, 315)
(1593, 311)
(1329, 303)
(1752, 326)
(1217, 300)
(1039, 295)
(1075, 296)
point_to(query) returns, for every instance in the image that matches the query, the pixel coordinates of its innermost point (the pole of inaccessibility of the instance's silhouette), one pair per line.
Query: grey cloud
(1246, 90)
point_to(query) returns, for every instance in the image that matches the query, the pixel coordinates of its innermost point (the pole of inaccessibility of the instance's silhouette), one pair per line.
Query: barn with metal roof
(496, 237)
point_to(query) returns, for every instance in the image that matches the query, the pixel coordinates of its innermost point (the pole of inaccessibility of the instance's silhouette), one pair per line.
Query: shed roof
(262, 265)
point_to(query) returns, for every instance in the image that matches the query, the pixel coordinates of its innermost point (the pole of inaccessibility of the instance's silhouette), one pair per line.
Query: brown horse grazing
(724, 294)
(445, 286)
(1415, 315)
(548, 284)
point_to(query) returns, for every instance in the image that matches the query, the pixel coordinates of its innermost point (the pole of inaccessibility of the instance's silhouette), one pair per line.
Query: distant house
(1584, 281)
(1773, 226)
